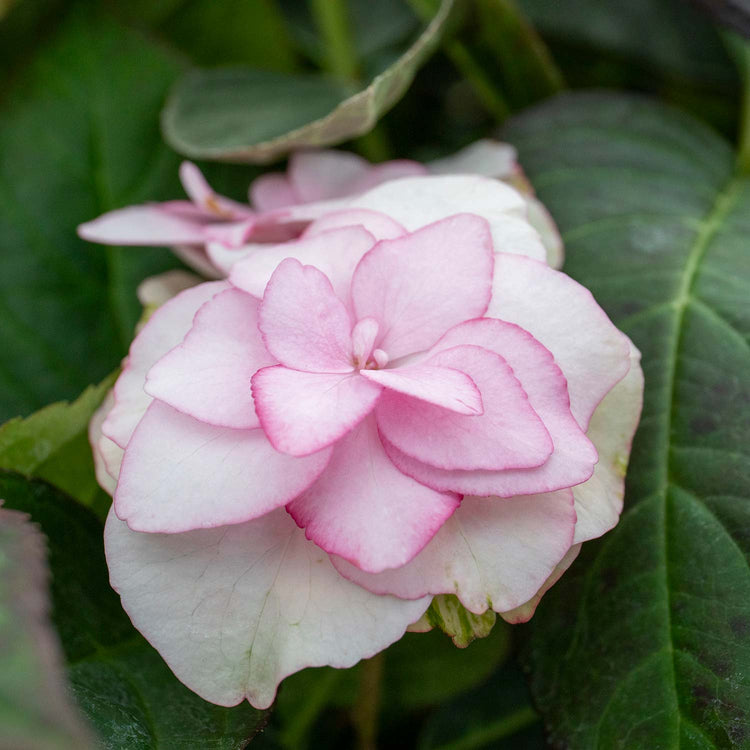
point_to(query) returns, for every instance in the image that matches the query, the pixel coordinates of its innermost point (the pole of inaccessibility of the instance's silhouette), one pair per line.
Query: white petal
(236, 609)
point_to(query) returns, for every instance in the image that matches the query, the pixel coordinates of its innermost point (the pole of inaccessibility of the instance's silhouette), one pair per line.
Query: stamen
(364, 334)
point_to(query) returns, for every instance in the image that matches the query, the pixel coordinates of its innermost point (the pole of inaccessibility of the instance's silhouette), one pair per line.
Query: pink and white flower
(405, 401)
(211, 233)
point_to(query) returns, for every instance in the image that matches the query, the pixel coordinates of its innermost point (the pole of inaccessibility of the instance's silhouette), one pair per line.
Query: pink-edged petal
(380, 226)
(203, 196)
(365, 510)
(562, 315)
(272, 191)
(165, 329)
(485, 157)
(492, 554)
(573, 457)
(143, 225)
(180, 474)
(265, 601)
(208, 376)
(420, 285)
(442, 386)
(395, 169)
(318, 175)
(230, 233)
(526, 611)
(335, 252)
(611, 429)
(302, 412)
(304, 324)
(416, 202)
(508, 434)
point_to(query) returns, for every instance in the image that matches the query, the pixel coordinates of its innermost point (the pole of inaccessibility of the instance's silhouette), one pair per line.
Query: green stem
(497, 730)
(487, 93)
(332, 20)
(743, 60)
(367, 706)
(459, 54)
(340, 60)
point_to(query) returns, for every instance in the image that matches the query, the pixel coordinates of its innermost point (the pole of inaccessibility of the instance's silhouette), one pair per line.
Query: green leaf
(119, 681)
(52, 444)
(79, 135)
(246, 115)
(218, 33)
(646, 640)
(36, 711)
(681, 58)
(496, 715)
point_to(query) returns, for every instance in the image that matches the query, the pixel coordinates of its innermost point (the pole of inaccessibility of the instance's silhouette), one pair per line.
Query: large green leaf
(120, 682)
(78, 136)
(646, 640)
(36, 712)
(246, 115)
(53, 444)
(664, 46)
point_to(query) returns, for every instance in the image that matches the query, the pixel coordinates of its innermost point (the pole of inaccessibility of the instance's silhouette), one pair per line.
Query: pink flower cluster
(401, 400)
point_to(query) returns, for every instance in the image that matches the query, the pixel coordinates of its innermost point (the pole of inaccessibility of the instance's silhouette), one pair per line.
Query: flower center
(364, 354)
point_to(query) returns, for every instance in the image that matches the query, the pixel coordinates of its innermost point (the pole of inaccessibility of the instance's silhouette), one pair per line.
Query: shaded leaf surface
(72, 150)
(653, 622)
(36, 711)
(732, 13)
(241, 114)
(53, 444)
(119, 681)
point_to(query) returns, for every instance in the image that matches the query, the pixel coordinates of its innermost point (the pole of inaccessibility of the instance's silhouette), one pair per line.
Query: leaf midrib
(707, 230)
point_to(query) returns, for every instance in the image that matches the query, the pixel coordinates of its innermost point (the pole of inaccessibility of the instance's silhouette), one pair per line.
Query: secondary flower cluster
(399, 398)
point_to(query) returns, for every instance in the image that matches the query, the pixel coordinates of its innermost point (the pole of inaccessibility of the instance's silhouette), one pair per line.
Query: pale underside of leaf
(245, 136)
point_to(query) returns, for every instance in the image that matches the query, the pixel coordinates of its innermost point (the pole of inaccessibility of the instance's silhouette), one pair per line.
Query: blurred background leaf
(254, 116)
(119, 681)
(645, 640)
(36, 710)
(732, 13)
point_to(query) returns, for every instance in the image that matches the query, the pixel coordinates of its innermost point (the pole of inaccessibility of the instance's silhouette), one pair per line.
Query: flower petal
(304, 324)
(380, 226)
(367, 511)
(107, 454)
(574, 456)
(335, 252)
(302, 412)
(234, 610)
(322, 174)
(416, 202)
(526, 611)
(485, 157)
(508, 434)
(272, 191)
(492, 554)
(208, 375)
(144, 225)
(164, 330)
(203, 196)
(180, 474)
(420, 285)
(443, 386)
(562, 315)
(611, 429)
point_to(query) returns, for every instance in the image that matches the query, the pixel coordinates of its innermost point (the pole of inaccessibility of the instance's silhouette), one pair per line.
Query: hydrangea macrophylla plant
(405, 401)
(211, 232)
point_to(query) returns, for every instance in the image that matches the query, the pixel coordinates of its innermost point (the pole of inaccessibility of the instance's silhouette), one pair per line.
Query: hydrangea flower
(403, 402)
(211, 232)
